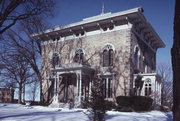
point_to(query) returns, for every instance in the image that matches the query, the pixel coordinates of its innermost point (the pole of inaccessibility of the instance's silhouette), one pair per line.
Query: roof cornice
(91, 19)
(131, 14)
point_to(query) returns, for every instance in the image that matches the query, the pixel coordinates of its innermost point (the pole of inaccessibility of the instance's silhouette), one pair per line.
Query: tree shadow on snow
(39, 114)
(112, 116)
(170, 116)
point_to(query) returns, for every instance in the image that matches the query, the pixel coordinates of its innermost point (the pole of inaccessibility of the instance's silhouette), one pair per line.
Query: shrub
(124, 109)
(141, 103)
(136, 103)
(123, 101)
(84, 104)
(109, 105)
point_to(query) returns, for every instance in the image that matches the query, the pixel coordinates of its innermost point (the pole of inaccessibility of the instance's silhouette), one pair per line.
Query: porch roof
(73, 67)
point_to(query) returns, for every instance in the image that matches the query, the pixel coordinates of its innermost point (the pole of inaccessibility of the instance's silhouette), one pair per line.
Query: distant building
(119, 48)
(6, 95)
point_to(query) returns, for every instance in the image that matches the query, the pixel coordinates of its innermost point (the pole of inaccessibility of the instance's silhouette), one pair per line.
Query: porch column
(55, 90)
(80, 86)
(160, 94)
(107, 87)
(159, 91)
(90, 84)
(156, 91)
(54, 86)
(77, 84)
(113, 87)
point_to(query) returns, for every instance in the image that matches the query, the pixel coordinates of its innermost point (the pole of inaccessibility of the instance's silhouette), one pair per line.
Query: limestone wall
(146, 57)
(92, 45)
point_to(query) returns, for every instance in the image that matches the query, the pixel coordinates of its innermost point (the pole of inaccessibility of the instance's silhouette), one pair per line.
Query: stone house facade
(119, 48)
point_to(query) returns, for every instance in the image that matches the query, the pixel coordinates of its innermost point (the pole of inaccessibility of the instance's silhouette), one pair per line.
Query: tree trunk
(41, 92)
(175, 52)
(23, 93)
(20, 94)
(38, 73)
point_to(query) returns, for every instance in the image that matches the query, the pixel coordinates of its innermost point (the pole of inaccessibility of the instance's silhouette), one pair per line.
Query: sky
(159, 13)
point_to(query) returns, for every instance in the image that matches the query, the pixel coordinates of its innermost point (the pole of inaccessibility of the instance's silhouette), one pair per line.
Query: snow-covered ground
(17, 112)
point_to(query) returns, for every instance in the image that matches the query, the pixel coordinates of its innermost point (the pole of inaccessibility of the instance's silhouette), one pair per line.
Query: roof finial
(102, 8)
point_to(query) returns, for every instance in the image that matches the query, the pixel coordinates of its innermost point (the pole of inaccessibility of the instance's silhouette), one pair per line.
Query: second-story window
(55, 60)
(79, 56)
(107, 56)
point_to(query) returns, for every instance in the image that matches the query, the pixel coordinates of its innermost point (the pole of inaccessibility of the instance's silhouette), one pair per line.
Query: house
(6, 95)
(119, 48)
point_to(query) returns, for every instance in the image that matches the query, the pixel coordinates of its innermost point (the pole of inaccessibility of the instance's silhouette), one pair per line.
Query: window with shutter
(55, 59)
(107, 87)
(111, 57)
(104, 87)
(105, 58)
(146, 91)
(76, 58)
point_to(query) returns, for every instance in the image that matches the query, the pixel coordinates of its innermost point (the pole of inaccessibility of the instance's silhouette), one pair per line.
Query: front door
(66, 86)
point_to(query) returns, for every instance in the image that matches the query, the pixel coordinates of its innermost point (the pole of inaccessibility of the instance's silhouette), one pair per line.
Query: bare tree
(164, 70)
(16, 70)
(175, 53)
(12, 11)
(28, 49)
(21, 40)
(31, 16)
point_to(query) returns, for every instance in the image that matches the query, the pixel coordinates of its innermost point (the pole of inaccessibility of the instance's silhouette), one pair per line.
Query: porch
(72, 83)
(148, 84)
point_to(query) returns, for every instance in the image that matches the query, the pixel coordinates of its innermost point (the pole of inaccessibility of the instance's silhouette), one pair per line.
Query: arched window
(105, 58)
(79, 56)
(107, 55)
(148, 87)
(55, 59)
